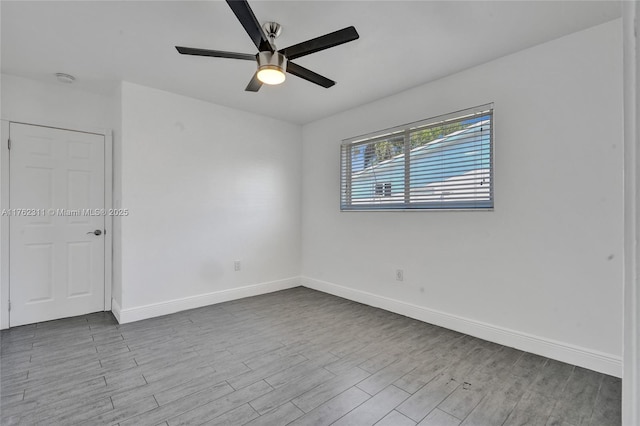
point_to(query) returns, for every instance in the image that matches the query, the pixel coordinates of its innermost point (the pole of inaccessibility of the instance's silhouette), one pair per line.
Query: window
(444, 162)
(383, 189)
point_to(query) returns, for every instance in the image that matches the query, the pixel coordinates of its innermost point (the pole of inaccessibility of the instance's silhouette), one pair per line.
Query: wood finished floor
(296, 357)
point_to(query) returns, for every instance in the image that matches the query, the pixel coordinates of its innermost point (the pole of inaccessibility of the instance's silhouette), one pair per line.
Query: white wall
(631, 368)
(57, 104)
(205, 185)
(116, 276)
(53, 104)
(544, 270)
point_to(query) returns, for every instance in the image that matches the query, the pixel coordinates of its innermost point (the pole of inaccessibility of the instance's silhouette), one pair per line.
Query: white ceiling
(401, 45)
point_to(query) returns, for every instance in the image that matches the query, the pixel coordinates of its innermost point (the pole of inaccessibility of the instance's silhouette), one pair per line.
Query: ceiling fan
(272, 63)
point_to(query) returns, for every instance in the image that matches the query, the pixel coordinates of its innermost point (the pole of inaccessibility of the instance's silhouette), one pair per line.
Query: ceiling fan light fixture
(271, 67)
(271, 75)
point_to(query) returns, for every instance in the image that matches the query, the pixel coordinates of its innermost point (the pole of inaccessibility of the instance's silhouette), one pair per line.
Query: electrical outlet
(236, 265)
(399, 275)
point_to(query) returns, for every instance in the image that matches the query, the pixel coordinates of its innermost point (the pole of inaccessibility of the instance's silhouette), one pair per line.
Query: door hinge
(9, 143)
(9, 305)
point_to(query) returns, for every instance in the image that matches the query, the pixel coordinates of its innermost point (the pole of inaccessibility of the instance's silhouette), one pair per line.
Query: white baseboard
(565, 352)
(164, 308)
(115, 310)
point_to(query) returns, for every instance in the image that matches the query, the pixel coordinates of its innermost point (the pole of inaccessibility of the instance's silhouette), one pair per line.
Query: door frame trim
(4, 203)
(4, 227)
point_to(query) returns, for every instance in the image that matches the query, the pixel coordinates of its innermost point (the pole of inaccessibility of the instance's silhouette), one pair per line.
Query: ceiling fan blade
(309, 75)
(215, 53)
(317, 44)
(245, 15)
(254, 85)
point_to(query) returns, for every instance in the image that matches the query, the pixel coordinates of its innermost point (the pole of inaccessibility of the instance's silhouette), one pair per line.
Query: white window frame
(406, 130)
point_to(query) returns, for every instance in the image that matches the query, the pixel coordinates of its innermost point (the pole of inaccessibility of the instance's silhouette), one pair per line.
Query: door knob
(96, 232)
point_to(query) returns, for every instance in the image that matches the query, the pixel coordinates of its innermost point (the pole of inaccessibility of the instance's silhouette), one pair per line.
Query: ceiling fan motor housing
(272, 60)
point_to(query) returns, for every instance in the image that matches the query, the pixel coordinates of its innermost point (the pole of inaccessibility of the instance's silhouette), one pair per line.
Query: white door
(56, 258)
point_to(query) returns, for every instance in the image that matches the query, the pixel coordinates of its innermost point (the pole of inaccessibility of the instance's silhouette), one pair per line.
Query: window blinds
(441, 163)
